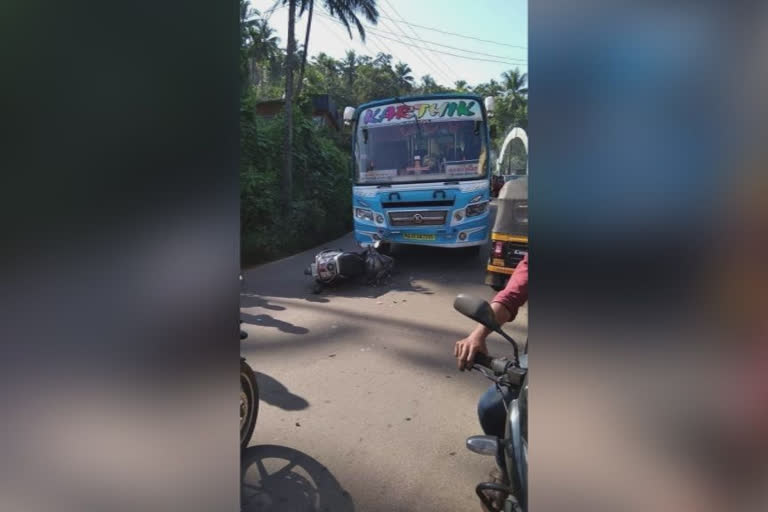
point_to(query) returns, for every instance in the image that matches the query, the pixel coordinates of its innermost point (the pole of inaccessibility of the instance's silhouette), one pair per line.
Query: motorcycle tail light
(498, 249)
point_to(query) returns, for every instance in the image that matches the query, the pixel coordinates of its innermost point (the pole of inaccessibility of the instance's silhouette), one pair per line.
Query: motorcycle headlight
(476, 209)
(363, 214)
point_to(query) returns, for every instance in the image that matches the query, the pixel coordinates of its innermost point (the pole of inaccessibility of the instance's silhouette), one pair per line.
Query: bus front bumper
(464, 236)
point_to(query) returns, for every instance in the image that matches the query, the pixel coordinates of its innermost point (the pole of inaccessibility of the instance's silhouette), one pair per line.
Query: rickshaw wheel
(498, 281)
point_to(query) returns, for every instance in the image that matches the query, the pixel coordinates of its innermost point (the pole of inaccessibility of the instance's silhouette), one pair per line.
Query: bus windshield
(414, 150)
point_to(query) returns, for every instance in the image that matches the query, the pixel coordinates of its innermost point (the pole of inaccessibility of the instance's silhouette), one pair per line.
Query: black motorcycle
(513, 449)
(249, 402)
(249, 397)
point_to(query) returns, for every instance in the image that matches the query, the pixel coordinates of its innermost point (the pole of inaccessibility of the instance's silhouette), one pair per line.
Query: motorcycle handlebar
(497, 366)
(500, 367)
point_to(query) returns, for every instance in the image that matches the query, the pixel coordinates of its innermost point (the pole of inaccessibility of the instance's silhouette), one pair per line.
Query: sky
(503, 24)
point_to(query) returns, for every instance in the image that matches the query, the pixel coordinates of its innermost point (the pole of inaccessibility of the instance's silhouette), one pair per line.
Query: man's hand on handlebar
(466, 349)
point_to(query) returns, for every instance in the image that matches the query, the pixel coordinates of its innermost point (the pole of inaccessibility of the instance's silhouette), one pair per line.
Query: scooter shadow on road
(275, 393)
(251, 300)
(268, 321)
(398, 282)
(277, 478)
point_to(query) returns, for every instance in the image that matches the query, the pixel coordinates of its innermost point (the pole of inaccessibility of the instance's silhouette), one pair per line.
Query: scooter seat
(350, 264)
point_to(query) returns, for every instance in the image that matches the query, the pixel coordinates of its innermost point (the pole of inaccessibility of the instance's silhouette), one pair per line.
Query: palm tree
(348, 66)
(515, 82)
(328, 67)
(346, 11)
(428, 85)
(461, 86)
(263, 45)
(264, 42)
(403, 76)
(246, 24)
(287, 177)
(246, 21)
(492, 88)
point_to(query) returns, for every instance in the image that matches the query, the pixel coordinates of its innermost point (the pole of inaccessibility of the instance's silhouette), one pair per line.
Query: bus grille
(418, 218)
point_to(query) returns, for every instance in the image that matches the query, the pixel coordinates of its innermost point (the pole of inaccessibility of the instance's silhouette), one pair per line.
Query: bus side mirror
(490, 105)
(349, 114)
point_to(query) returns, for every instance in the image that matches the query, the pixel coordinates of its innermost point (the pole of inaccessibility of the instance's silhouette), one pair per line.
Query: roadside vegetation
(289, 204)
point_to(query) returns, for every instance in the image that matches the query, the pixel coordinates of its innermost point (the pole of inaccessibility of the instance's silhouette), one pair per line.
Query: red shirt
(515, 294)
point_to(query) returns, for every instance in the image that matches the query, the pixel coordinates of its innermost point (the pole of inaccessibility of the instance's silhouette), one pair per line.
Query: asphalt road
(362, 407)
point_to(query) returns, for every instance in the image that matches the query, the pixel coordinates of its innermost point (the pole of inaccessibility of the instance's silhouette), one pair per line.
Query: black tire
(249, 403)
(498, 282)
(385, 248)
(317, 288)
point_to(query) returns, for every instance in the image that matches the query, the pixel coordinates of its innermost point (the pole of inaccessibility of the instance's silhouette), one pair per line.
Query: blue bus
(422, 170)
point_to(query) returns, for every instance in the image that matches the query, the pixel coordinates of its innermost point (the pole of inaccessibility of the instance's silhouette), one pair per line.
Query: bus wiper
(415, 117)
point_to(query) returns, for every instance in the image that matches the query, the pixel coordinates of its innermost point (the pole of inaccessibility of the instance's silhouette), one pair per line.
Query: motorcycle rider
(505, 305)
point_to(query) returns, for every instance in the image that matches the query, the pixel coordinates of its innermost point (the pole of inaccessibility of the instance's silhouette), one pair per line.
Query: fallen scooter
(514, 447)
(334, 265)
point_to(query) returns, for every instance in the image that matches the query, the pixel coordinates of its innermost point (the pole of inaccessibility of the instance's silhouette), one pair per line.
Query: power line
(456, 55)
(420, 54)
(440, 70)
(429, 65)
(458, 35)
(338, 37)
(497, 58)
(378, 48)
(508, 63)
(268, 14)
(456, 48)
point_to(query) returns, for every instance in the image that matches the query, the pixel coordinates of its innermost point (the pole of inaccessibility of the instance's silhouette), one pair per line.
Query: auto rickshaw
(509, 237)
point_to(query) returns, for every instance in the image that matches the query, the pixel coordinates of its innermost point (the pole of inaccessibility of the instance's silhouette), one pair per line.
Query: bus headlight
(476, 199)
(379, 219)
(458, 215)
(477, 209)
(363, 214)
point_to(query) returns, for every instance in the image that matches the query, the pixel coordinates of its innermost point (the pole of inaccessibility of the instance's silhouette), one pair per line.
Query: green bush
(321, 206)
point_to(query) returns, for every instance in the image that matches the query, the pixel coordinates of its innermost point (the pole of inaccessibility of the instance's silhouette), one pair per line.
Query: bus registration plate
(418, 236)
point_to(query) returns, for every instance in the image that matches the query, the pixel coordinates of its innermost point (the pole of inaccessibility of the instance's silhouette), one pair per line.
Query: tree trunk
(306, 49)
(287, 180)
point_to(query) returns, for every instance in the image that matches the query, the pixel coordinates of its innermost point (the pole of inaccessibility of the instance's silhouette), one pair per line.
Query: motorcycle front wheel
(249, 403)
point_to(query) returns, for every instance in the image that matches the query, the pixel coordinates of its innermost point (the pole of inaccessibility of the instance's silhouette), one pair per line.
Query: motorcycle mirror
(476, 309)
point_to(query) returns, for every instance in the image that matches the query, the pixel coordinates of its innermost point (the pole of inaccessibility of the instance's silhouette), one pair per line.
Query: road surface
(362, 407)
